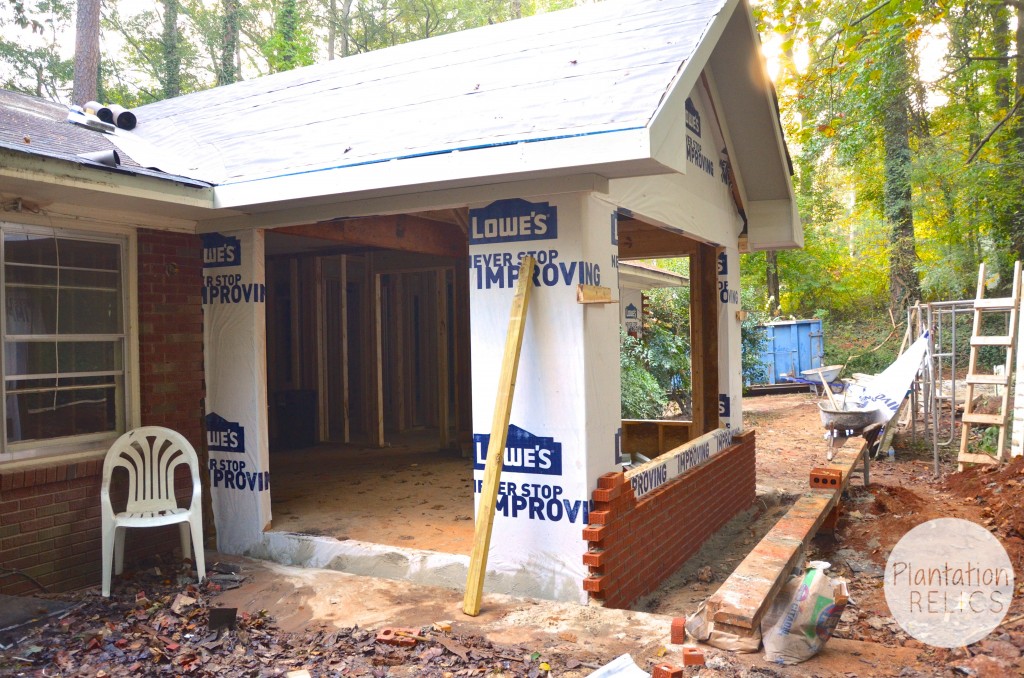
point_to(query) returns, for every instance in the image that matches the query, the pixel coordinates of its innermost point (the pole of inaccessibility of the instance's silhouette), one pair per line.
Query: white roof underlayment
(592, 89)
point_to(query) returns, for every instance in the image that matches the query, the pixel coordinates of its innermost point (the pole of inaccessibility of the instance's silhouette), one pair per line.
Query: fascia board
(774, 225)
(573, 155)
(388, 202)
(72, 175)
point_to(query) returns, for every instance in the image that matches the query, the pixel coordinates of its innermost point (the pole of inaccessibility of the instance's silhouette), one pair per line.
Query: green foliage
(667, 337)
(753, 340)
(642, 396)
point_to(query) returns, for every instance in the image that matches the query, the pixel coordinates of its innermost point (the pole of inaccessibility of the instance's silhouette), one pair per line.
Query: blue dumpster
(793, 346)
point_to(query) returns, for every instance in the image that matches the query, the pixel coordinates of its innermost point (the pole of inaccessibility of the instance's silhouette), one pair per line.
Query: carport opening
(368, 393)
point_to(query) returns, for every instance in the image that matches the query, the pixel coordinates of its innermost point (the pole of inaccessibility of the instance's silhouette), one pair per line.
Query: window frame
(125, 380)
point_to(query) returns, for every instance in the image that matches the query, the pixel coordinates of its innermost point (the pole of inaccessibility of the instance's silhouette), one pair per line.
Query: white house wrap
(234, 318)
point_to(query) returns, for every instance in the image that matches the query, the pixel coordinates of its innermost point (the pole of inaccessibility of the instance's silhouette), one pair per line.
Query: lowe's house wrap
(565, 410)
(234, 293)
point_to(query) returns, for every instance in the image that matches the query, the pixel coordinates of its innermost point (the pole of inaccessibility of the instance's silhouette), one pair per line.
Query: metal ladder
(982, 306)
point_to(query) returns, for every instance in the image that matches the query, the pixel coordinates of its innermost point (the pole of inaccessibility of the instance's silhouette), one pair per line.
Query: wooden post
(499, 435)
(443, 422)
(704, 338)
(343, 301)
(323, 416)
(376, 371)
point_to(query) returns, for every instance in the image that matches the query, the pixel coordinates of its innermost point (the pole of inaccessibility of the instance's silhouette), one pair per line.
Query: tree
(171, 49)
(87, 52)
(227, 71)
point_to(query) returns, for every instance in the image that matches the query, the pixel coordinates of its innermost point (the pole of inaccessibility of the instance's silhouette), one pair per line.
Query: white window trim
(85, 447)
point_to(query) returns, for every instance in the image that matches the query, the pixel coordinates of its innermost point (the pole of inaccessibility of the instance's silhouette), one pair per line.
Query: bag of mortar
(703, 630)
(803, 616)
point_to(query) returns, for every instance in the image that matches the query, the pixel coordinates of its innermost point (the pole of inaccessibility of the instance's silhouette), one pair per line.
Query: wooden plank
(376, 380)
(320, 318)
(295, 326)
(443, 414)
(499, 435)
(652, 437)
(463, 373)
(593, 294)
(994, 340)
(343, 275)
(638, 240)
(972, 458)
(398, 359)
(401, 232)
(993, 379)
(704, 338)
(996, 304)
(988, 419)
(747, 594)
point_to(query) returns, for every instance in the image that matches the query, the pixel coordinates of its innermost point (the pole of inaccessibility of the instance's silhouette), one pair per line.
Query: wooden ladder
(1007, 305)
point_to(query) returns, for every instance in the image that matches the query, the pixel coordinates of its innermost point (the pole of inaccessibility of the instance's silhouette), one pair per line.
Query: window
(63, 341)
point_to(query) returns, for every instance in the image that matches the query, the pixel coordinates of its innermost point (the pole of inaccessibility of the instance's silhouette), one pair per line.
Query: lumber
(403, 232)
(641, 241)
(704, 338)
(499, 435)
(593, 294)
(748, 593)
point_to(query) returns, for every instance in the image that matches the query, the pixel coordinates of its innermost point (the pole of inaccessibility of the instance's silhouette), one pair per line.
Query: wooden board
(704, 338)
(748, 593)
(499, 435)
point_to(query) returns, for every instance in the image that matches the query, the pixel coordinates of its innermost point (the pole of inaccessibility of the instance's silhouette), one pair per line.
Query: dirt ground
(326, 622)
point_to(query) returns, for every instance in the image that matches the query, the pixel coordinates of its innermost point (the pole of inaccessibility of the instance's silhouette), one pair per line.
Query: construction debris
(158, 622)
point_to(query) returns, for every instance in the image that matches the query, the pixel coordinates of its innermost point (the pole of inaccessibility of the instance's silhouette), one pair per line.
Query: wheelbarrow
(844, 422)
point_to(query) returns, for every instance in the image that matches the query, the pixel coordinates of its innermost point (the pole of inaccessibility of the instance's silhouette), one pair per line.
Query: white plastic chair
(150, 455)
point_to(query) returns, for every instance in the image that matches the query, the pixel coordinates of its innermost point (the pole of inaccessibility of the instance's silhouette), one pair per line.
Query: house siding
(50, 514)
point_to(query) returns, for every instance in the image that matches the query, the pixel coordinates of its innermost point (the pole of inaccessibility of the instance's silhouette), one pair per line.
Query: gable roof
(575, 90)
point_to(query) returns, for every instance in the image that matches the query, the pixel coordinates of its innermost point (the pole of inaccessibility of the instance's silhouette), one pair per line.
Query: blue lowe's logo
(524, 453)
(221, 250)
(223, 435)
(692, 117)
(513, 220)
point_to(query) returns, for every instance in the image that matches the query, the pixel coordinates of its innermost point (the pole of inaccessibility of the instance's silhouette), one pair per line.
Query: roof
(586, 83)
(34, 126)
(641, 276)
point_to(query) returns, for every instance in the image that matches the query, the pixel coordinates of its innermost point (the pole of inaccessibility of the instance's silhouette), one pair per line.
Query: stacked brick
(50, 512)
(635, 545)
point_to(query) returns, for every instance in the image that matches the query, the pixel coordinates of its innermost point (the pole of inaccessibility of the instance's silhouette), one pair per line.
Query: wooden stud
(295, 327)
(320, 369)
(343, 301)
(375, 382)
(461, 340)
(443, 419)
(704, 338)
(398, 359)
(499, 435)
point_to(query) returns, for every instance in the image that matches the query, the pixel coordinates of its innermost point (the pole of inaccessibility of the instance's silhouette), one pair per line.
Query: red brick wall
(635, 545)
(171, 378)
(50, 515)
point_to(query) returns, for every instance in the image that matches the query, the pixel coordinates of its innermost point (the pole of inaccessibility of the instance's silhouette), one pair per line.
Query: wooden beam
(741, 602)
(343, 302)
(499, 435)
(443, 418)
(402, 232)
(704, 338)
(376, 380)
(638, 240)
(320, 320)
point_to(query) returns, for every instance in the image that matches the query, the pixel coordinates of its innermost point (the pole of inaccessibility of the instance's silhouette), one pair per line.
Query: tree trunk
(904, 286)
(771, 259)
(87, 52)
(171, 51)
(332, 28)
(227, 71)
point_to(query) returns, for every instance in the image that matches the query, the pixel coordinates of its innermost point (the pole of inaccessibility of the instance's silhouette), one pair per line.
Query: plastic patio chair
(150, 455)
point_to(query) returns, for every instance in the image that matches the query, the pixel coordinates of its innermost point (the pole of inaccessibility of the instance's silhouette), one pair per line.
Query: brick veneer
(50, 514)
(635, 545)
